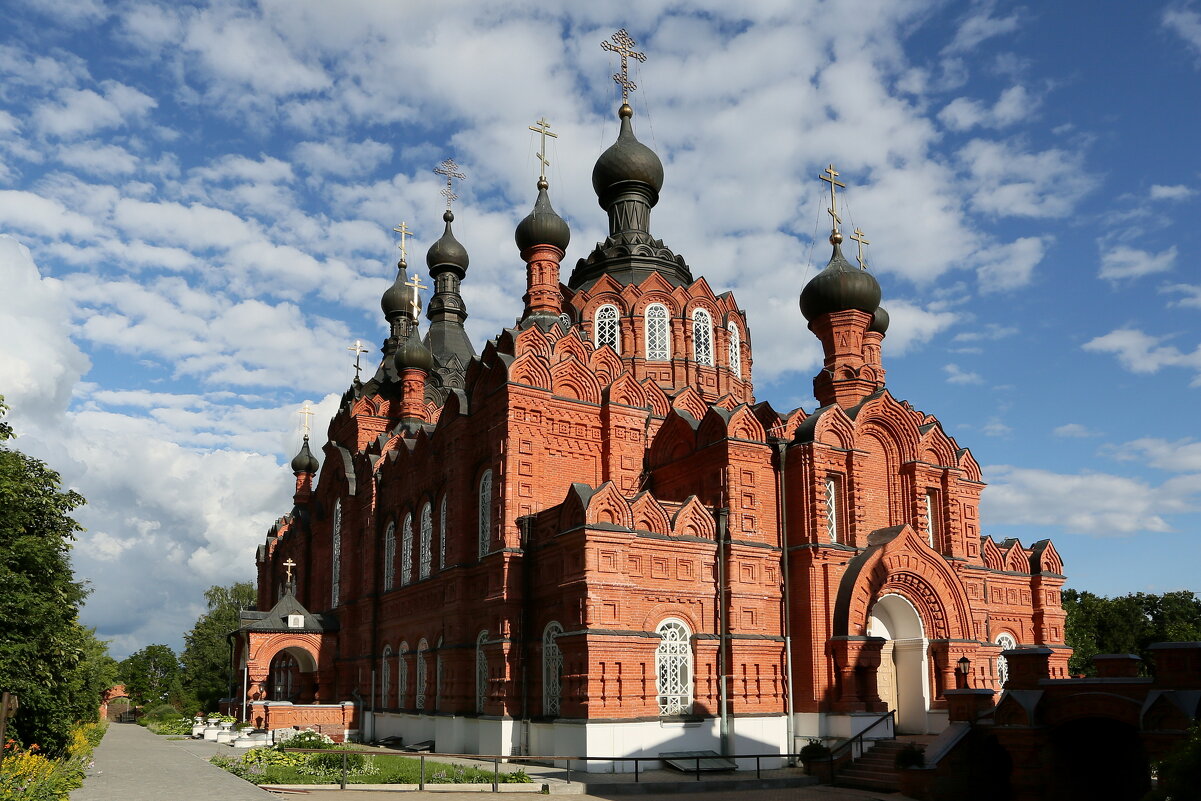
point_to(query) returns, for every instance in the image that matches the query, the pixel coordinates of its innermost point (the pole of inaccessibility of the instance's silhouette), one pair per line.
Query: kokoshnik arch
(591, 537)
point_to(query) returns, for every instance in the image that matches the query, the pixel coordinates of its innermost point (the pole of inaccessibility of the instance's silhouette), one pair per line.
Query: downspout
(527, 586)
(723, 631)
(781, 451)
(245, 688)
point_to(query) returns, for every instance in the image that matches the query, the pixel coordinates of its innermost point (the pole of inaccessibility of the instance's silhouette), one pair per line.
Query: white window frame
(657, 319)
(385, 677)
(734, 349)
(833, 507)
(390, 556)
(427, 540)
(606, 329)
(335, 593)
(674, 668)
(406, 550)
(485, 513)
(932, 517)
(481, 672)
(402, 674)
(702, 337)
(1007, 643)
(423, 648)
(552, 670)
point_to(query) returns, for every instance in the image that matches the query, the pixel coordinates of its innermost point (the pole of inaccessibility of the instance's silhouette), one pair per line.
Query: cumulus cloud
(1010, 266)
(98, 159)
(1173, 192)
(1008, 181)
(1185, 23)
(980, 25)
(1177, 456)
(1123, 261)
(340, 157)
(27, 212)
(1143, 353)
(1191, 294)
(957, 375)
(76, 112)
(1074, 431)
(1014, 105)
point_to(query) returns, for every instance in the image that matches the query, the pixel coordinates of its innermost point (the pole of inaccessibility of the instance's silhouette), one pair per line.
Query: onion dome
(627, 159)
(879, 321)
(399, 298)
(447, 253)
(542, 226)
(840, 287)
(305, 461)
(413, 354)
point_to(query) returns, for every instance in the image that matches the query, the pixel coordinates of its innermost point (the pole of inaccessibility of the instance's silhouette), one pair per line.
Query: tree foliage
(1127, 624)
(56, 666)
(151, 675)
(206, 655)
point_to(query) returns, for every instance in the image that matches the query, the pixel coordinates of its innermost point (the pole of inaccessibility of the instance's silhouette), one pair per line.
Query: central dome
(839, 287)
(627, 159)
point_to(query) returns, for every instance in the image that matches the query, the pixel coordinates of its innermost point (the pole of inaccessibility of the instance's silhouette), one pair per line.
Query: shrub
(306, 739)
(814, 750)
(911, 756)
(331, 764)
(31, 776)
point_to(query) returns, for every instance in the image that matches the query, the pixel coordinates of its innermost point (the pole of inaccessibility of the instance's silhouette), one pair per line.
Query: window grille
(552, 670)
(608, 331)
(1007, 643)
(390, 556)
(931, 517)
(335, 594)
(427, 540)
(702, 337)
(673, 668)
(442, 535)
(658, 333)
(481, 672)
(735, 350)
(565, 321)
(832, 508)
(385, 677)
(283, 677)
(485, 531)
(402, 675)
(419, 701)
(406, 550)
(438, 677)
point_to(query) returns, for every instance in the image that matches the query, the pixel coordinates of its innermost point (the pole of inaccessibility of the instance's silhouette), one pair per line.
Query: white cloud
(989, 331)
(1123, 261)
(995, 427)
(1074, 431)
(196, 227)
(957, 375)
(342, 158)
(1178, 456)
(979, 26)
(1174, 192)
(1191, 293)
(1187, 24)
(72, 13)
(1013, 105)
(82, 111)
(1142, 353)
(31, 213)
(911, 326)
(98, 159)
(1010, 266)
(1009, 182)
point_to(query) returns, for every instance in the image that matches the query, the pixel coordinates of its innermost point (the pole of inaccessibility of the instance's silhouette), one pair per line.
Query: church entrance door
(903, 675)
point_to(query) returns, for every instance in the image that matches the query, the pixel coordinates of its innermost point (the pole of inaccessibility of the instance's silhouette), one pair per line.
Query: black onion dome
(879, 321)
(413, 354)
(627, 159)
(447, 252)
(839, 287)
(305, 461)
(398, 298)
(542, 226)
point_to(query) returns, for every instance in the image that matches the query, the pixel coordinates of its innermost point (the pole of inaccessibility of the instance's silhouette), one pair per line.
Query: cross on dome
(288, 565)
(306, 417)
(831, 177)
(415, 283)
(862, 240)
(404, 231)
(451, 170)
(542, 127)
(623, 45)
(358, 350)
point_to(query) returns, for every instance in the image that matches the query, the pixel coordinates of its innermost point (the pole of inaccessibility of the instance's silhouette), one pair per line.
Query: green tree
(56, 666)
(206, 655)
(151, 675)
(1127, 624)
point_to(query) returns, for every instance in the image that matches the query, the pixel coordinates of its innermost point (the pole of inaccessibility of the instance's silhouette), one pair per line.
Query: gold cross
(306, 414)
(288, 565)
(358, 350)
(404, 231)
(858, 237)
(415, 282)
(450, 170)
(543, 127)
(623, 46)
(833, 181)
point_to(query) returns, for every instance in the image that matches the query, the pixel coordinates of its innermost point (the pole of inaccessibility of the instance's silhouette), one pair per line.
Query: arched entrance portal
(292, 676)
(902, 676)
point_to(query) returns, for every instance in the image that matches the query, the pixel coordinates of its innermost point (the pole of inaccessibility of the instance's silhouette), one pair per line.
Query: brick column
(857, 660)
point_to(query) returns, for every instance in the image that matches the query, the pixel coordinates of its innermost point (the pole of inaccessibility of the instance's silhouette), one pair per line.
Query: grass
(387, 769)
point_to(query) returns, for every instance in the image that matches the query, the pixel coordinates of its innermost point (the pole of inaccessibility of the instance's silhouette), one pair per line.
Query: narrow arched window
(390, 556)
(607, 330)
(442, 535)
(1007, 643)
(438, 676)
(552, 670)
(385, 677)
(932, 517)
(735, 349)
(419, 701)
(335, 592)
(481, 671)
(406, 550)
(658, 333)
(485, 522)
(673, 668)
(702, 337)
(427, 540)
(833, 508)
(284, 678)
(402, 675)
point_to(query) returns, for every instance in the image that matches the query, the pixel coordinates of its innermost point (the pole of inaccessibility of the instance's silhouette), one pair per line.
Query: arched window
(419, 701)
(673, 668)
(485, 523)
(735, 349)
(385, 677)
(932, 517)
(1007, 643)
(833, 508)
(552, 670)
(406, 550)
(427, 539)
(390, 556)
(607, 330)
(335, 592)
(658, 333)
(438, 676)
(442, 535)
(702, 337)
(481, 671)
(402, 675)
(565, 321)
(284, 677)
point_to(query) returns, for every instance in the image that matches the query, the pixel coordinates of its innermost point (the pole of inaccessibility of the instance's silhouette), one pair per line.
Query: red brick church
(590, 537)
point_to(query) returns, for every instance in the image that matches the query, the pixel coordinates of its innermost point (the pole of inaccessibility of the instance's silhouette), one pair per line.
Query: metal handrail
(858, 738)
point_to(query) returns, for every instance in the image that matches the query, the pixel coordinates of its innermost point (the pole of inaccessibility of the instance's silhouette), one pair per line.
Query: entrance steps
(876, 769)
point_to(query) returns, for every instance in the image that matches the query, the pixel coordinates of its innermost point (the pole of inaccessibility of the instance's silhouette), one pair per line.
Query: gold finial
(358, 350)
(288, 565)
(306, 416)
(415, 282)
(623, 46)
(859, 237)
(450, 170)
(543, 127)
(404, 231)
(831, 177)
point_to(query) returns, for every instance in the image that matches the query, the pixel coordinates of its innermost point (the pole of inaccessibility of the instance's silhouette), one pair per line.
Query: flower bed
(30, 775)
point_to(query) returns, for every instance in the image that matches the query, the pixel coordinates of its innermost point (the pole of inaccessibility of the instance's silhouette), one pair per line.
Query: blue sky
(196, 204)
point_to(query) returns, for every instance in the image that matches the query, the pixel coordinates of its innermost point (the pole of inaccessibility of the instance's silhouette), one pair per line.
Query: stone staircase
(875, 770)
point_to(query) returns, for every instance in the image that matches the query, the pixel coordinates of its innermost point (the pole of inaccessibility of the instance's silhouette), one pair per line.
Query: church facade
(590, 537)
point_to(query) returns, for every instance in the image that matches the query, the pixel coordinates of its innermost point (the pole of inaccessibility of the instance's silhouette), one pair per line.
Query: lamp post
(961, 671)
